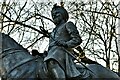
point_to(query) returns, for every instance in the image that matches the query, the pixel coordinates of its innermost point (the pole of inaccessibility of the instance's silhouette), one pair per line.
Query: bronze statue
(16, 63)
(64, 37)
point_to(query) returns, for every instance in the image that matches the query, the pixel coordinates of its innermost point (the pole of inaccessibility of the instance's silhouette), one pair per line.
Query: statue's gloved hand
(61, 43)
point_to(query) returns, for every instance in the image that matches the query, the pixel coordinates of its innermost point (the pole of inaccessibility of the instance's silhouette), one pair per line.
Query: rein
(10, 51)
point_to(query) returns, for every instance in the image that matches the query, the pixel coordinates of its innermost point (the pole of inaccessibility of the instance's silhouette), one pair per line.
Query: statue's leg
(55, 71)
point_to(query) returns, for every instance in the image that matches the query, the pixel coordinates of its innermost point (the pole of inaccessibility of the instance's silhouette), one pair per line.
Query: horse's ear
(62, 4)
(35, 52)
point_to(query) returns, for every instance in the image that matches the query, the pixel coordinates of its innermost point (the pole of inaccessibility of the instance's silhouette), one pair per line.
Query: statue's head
(61, 10)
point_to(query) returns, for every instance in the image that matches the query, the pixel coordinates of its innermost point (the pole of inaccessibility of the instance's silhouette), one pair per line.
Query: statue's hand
(61, 43)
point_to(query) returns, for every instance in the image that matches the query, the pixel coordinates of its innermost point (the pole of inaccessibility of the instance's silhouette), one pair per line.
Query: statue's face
(57, 16)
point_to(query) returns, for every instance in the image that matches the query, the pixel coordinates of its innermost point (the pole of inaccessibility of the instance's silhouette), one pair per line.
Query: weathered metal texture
(17, 63)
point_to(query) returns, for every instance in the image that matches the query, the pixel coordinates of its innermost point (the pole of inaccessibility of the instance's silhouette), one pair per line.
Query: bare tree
(96, 20)
(119, 38)
(25, 20)
(97, 23)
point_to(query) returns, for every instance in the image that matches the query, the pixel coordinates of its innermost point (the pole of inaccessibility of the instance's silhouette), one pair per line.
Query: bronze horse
(16, 63)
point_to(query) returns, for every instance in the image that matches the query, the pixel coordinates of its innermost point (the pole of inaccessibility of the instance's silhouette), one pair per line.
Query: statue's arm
(74, 34)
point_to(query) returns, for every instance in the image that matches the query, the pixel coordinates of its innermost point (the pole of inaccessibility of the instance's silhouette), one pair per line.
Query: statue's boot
(55, 71)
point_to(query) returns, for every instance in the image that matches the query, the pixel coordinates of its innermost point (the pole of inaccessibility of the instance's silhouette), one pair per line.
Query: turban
(62, 10)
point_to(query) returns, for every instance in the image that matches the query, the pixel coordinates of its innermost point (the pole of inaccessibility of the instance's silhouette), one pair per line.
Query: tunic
(66, 32)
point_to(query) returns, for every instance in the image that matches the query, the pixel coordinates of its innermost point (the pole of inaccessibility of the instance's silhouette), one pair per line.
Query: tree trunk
(119, 40)
(119, 64)
(108, 63)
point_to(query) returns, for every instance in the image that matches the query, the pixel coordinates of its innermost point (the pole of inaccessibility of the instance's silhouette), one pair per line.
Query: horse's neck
(10, 43)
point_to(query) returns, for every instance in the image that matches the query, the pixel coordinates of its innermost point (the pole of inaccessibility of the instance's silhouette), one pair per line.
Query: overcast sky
(57, 1)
